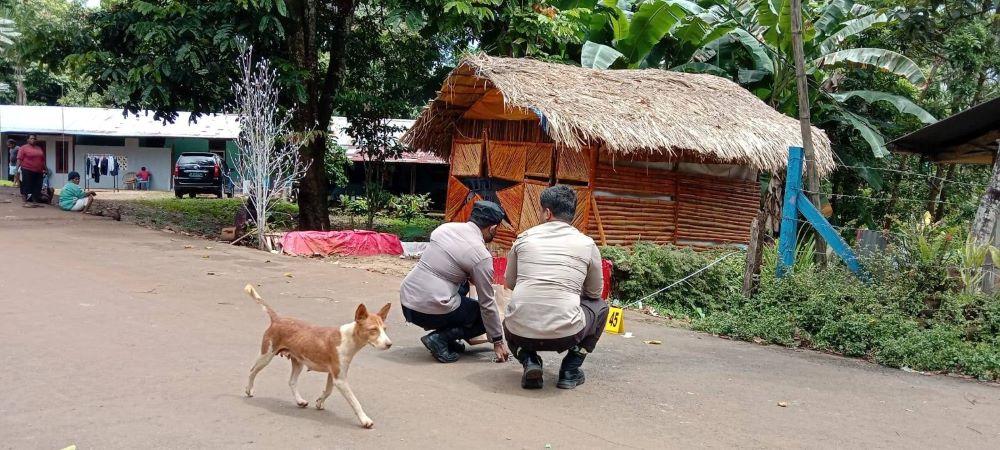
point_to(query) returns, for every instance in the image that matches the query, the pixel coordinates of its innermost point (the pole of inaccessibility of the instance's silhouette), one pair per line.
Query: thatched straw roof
(625, 111)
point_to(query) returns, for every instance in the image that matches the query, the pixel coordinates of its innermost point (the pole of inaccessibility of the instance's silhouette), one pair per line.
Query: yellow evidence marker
(616, 321)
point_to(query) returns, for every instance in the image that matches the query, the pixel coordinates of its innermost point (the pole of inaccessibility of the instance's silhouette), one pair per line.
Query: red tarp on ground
(500, 266)
(344, 243)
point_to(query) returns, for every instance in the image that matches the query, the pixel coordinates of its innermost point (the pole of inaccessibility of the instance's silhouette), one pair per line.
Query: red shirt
(31, 157)
(142, 175)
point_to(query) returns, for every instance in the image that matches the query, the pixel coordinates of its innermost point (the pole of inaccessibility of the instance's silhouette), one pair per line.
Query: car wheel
(192, 195)
(218, 194)
(178, 194)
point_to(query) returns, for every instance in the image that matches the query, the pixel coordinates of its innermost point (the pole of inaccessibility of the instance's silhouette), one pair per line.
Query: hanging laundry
(113, 166)
(104, 165)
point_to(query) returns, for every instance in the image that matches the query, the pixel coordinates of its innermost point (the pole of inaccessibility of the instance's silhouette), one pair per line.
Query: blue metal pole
(833, 239)
(790, 211)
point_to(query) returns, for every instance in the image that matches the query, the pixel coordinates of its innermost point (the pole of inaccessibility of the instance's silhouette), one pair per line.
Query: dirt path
(114, 336)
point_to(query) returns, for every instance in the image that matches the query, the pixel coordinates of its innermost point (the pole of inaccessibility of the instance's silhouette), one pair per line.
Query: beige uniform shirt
(455, 253)
(549, 267)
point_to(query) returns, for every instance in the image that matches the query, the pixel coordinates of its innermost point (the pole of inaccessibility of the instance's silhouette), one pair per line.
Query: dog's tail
(253, 294)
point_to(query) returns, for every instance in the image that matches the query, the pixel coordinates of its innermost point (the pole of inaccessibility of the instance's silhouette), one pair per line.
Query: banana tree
(757, 53)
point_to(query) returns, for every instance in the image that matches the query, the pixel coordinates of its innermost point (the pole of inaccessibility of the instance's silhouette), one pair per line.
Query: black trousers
(467, 317)
(31, 185)
(595, 313)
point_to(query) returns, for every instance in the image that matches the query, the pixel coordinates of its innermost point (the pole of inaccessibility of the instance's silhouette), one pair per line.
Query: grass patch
(199, 216)
(6, 183)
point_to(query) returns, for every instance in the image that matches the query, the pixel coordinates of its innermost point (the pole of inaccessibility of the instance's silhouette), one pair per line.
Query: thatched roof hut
(627, 111)
(654, 155)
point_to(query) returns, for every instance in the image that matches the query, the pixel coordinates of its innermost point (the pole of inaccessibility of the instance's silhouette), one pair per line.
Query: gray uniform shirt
(455, 253)
(549, 267)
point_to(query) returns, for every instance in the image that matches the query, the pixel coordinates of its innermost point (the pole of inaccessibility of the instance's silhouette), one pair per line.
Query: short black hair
(11, 142)
(143, 168)
(561, 200)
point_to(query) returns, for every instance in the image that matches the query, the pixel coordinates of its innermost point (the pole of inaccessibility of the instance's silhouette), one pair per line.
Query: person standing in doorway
(11, 159)
(31, 161)
(142, 179)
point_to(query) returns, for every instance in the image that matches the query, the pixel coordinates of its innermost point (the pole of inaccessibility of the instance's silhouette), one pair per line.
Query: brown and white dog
(320, 349)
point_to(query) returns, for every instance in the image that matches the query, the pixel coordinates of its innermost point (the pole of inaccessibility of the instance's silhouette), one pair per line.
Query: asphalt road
(114, 336)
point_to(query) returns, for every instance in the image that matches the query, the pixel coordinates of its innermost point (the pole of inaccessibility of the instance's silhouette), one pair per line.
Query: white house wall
(156, 159)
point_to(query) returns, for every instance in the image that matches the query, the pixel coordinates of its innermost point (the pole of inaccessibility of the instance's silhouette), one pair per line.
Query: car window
(200, 160)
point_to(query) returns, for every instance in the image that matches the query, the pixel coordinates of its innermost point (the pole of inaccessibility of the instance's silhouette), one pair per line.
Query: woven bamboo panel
(457, 193)
(511, 199)
(573, 165)
(580, 221)
(716, 210)
(507, 159)
(503, 130)
(634, 180)
(628, 220)
(538, 161)
(467, 157)
(530, 209)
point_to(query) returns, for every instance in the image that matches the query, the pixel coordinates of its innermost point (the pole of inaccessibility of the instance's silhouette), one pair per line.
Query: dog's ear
(361, 313)
(384, 312)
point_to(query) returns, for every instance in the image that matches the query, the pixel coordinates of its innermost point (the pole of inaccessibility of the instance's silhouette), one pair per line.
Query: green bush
(647, 268)
(908, 313)
(410, 206)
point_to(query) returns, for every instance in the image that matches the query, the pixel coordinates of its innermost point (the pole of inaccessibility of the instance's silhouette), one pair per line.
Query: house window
(63, 161)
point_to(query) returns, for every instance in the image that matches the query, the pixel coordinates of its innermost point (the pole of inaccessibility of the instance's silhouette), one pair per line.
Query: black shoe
(569, 379)
(532, 377)
(438, 347)
(570, 373)
(456, 346)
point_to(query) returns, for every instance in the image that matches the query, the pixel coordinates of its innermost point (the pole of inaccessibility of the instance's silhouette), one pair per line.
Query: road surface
(114, 336)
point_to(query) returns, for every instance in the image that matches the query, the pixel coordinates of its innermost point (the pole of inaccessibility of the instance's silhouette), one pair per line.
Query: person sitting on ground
(555, 272)
(72, 198)
(434, 297)
(142, 179)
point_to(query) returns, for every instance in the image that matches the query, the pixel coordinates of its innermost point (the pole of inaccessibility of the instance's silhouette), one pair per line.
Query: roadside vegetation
(921, 309)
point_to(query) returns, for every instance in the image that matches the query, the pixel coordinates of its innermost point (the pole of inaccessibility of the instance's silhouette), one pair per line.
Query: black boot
(437, 343)
(532, 377)
(570, 373)
(456, 346)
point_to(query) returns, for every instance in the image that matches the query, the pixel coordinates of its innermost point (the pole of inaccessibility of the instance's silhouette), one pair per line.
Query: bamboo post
(597, 217)
(812, 175)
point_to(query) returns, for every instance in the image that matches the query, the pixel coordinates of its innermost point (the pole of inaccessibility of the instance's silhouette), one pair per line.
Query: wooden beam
(597, 217)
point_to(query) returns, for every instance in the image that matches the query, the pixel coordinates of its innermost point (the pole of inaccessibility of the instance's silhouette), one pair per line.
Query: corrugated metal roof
(967, 137)
(111, 122)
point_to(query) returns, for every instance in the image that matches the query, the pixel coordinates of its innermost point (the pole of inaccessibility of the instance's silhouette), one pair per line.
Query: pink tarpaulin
(344, 243)
(500, 266)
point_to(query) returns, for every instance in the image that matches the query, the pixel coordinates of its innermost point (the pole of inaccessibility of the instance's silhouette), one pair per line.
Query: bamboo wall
(619, 200)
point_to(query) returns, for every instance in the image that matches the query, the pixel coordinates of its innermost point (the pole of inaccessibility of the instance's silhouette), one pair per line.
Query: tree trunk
(940, 209)
(303, 47)
(751, 273)
(887, 219)
(21, 93)
(986, 214)
(937, 183)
